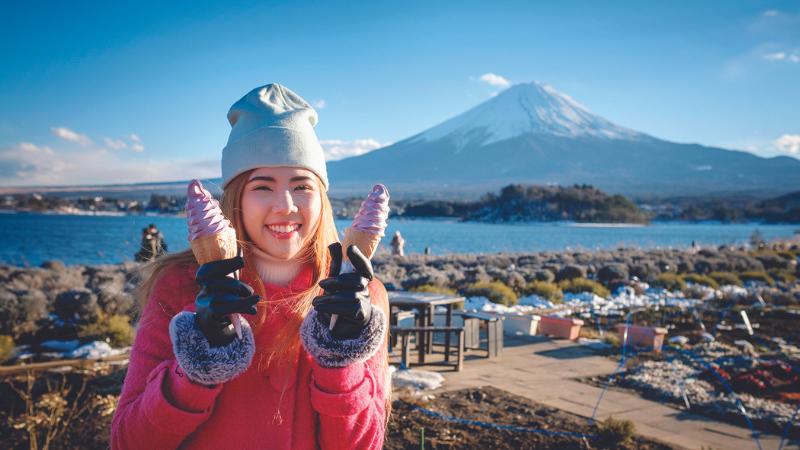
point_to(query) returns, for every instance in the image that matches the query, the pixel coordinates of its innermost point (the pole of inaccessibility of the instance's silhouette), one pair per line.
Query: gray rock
(612, 272)
(571, 271)
(545, 275)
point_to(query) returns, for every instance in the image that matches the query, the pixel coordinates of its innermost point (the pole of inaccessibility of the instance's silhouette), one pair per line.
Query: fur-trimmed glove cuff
(330, 351)
(205, 364)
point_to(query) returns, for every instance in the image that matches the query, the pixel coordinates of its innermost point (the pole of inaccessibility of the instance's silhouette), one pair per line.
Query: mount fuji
(531, 133)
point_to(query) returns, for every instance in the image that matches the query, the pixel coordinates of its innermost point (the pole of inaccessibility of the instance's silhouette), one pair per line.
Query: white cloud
(115, 144)
(783, 56)
(136, 143)
(27, 147)
(777, 56)
(321, 103)
(71, 136)
(495, 80)
(788, 144)
(770, 13)
(338, 149)
(26, 164)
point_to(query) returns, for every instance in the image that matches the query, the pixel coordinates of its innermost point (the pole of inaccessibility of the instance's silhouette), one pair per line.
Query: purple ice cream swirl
(372, 215)
(203, 214)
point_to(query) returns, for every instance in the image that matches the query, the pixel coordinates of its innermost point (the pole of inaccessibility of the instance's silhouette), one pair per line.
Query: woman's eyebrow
(261, 178)
(291, 180)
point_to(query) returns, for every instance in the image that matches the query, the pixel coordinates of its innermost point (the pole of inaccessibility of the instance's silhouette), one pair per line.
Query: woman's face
(281, 209)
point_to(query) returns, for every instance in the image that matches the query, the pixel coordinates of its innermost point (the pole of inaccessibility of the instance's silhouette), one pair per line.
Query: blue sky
(95, 93)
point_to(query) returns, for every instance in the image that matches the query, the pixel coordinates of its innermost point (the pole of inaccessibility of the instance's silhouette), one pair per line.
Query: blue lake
(30, 239)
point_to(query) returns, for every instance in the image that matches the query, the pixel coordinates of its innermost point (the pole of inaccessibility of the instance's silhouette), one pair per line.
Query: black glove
(346, 294)
(220, 296)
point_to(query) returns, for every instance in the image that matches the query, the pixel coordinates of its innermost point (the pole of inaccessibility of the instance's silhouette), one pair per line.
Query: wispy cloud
(776, 37)
(28, 164)
(791, 57)
(115, 144)
(133, 143)
(319, 104)
(788, 144)
(136, 143)
(495, 80)
(339, 149)
(71, 136)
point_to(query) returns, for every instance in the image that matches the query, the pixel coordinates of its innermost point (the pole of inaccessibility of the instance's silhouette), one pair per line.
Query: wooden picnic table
(425, 304)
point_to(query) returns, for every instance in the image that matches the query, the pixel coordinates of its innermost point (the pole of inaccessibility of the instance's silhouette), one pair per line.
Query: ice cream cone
(366, 242)
(367, 230)
(211, 235)
(216, 246)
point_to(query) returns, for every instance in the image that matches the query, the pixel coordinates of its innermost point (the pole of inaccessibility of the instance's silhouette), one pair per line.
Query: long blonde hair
(286, 342)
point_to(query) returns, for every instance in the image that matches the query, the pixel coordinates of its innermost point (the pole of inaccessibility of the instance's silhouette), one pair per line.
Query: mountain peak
(526, 108)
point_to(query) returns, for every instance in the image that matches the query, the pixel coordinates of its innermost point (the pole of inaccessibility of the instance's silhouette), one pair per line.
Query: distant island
(514, 203)
(534, 203)
(585, 203)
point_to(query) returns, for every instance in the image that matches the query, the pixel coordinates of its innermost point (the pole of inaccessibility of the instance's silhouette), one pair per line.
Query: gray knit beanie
(272, 126)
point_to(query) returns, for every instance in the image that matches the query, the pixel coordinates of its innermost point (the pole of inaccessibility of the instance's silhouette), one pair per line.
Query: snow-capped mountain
(526, 108)
(531, 133)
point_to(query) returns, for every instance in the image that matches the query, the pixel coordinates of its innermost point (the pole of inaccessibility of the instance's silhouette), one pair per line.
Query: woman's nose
(285, 204)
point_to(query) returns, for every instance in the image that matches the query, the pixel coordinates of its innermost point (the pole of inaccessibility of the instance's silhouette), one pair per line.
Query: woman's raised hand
(346, 294)
(220, 296)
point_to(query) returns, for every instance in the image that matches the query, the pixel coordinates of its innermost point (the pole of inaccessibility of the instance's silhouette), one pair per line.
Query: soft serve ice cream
(210, 234)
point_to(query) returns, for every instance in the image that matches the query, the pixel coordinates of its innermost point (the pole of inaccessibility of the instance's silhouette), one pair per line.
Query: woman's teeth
(283, 228)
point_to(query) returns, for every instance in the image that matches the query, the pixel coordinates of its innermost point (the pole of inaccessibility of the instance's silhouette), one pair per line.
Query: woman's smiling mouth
(283, 230)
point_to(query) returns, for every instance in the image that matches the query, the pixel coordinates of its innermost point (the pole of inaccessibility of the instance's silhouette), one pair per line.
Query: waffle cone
(214, 247)
(365, 242)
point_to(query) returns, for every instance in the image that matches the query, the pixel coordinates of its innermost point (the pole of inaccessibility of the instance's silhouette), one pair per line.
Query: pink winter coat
(292, 405)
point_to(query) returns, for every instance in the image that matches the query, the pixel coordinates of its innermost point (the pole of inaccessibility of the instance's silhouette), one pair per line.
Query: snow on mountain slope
(525, 108)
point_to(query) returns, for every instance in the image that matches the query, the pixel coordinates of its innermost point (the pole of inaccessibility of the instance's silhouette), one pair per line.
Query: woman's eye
(303, 187)
(261, 188)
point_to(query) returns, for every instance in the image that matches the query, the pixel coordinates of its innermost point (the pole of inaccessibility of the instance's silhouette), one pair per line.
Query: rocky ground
(493, 418)
(74, 410)
(515, 270)
(55, 310)
(718, 380)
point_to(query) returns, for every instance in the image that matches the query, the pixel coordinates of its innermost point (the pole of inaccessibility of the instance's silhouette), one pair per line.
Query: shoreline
(567, 223)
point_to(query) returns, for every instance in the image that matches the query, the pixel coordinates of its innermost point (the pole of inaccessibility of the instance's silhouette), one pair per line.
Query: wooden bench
(395, 318)
(473, 322)
(404, 333)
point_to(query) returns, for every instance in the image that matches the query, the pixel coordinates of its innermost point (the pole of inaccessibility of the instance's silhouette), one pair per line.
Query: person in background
(153, 244)
(397, 244)
(294, 378)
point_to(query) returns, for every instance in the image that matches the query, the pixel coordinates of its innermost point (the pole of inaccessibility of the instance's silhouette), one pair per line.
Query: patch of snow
(61, 346)
(536, 302)
(732, 292)
(680, 340)
(595, 344)
(92, 350)
(420, 380)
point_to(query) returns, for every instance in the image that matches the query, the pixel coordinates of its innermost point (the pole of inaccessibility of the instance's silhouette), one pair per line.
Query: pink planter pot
(647, 337)
(560, 327)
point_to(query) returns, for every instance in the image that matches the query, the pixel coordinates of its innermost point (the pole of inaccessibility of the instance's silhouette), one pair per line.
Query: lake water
(30, 239)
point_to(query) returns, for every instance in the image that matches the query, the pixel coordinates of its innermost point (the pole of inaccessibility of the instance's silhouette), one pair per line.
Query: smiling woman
(283, 205)
(293, 378)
